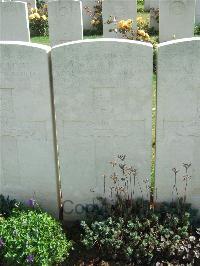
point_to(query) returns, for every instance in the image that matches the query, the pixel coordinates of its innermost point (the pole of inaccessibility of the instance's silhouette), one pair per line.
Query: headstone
(30, 3)
(178, 119)
(28, 168)
(99, 87)
(65, 21)
(14, 24)
(147, 5)
(155, 4)
(176, 19)
(197, 15)
(126, 9)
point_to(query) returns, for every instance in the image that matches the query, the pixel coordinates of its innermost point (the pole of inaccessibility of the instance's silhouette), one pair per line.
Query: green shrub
(142, 231)
(6, 206)
(32, 237)
(40, 3)
(144, 240)
(197, 30)
(140, 6)
(38, 21)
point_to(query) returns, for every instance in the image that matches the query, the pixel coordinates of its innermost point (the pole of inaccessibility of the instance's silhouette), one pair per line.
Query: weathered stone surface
(27, 162)
(126, 9)
(176, 19)
(100, 86)
(146, 5)
(30, 3)
(197, 12)
(178, 118)
(155, 4)
(86, 17)
(14, 24)
(65, 21)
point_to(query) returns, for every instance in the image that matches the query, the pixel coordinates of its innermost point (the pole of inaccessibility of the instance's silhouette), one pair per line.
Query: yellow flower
(125, 25)
(37, 15)
(31, 16)
(147, 38)
(93, 22)
(32, 10)
(141, 32)
(120, 24)
(44, 17)
(139, 19)
(129, 21)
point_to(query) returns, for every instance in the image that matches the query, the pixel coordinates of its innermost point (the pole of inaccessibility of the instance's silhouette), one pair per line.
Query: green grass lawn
(41, 40)
(46, 41)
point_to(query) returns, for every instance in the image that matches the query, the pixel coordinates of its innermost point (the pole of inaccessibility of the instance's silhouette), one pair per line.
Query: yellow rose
(141, 32)
(120, 24)
(147, 38)
(31, 16)
(37, 15)
(44, 17)
(129, 21)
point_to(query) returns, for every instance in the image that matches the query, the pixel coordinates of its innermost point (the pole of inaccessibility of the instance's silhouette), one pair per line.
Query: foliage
(127, 30)
(140, 6)
(142, 231)
(144, 240)
(6, 206)
(40, 3)
(96, 17)
(32, 237)
(197, 30)
(38, 21)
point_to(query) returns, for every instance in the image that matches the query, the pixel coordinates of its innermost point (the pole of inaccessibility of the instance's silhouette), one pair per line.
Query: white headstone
(155, 4)
(30, 3)
(176, 19)
(197, 15)
(100, 86)
(147, 5)
(126, 9)
(65, 21)
(28, 167)
(178, 118)
(14, 24)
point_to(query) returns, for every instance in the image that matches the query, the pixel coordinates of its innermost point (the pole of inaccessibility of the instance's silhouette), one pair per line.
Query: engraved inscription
(181, 128)
(9, 145)
(104, 122)
(177, 7)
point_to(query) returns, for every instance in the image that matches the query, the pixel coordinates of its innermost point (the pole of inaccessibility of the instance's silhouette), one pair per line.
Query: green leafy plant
(7, 206)
(142, 231)
(197, 30)
(140, 6)
(32, 237)
(144, 240)
(40, 3)
(38, 21)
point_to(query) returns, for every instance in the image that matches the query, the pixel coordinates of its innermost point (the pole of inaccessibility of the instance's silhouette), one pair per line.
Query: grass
(41, 40)
(46, 41)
